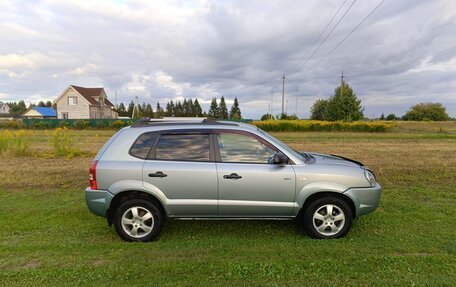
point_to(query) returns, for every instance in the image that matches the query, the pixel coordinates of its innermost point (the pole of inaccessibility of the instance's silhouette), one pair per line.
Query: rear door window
(182, 147)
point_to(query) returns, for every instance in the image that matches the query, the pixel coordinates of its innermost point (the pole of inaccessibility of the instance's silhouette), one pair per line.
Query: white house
(4, 109)
(84, 103)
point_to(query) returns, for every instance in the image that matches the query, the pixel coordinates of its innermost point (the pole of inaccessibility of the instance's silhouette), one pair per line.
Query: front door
(249, 184)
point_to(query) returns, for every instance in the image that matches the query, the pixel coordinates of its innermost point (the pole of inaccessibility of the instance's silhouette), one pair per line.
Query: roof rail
(178, 120)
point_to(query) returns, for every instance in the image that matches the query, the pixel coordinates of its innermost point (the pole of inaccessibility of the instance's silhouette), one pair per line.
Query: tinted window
(185, 147)
(143, 144)
(235, 147)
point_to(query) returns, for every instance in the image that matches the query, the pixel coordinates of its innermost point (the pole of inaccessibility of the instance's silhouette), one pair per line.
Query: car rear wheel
(327, 217)
(138, 220)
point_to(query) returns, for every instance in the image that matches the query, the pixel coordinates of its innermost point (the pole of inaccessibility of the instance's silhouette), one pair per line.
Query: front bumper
(365, 199)
(98, 201)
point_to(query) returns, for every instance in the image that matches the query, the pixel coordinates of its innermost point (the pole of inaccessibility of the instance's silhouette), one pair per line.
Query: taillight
(93, 175)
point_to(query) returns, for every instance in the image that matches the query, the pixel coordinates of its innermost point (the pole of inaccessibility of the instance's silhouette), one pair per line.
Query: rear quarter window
(142, 145)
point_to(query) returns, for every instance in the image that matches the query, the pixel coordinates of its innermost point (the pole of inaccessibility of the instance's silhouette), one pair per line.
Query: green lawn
(48, 237)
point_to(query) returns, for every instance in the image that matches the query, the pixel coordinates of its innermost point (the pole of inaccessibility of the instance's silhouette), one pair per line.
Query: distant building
(84, 103)
(40, 113)
(4, 109)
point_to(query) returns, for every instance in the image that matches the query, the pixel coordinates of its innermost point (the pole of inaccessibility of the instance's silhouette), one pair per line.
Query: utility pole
(116, 99)
(283, 94)
(342, 84)
(296, 91)
(135, 109)
(272, 102)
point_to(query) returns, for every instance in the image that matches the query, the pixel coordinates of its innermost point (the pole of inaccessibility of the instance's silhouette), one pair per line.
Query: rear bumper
(366, 199)
(98, 201)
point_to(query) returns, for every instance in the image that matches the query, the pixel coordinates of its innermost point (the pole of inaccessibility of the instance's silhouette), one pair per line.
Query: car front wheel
(138, 220)
(327, 217)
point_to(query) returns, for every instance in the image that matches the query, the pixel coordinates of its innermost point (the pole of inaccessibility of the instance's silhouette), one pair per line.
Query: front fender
(316, 187)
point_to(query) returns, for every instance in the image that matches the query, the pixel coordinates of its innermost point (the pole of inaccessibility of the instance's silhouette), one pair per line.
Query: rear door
(248, 184)
(181, 164)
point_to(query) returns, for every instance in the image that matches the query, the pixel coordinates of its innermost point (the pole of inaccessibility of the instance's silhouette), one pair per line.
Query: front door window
(238, 147)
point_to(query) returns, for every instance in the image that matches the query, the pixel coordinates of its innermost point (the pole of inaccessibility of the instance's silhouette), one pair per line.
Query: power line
(321, 34)
(343, 40)
(329, 34)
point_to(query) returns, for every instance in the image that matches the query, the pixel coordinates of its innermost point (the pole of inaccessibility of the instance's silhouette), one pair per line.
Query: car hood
(320, 158)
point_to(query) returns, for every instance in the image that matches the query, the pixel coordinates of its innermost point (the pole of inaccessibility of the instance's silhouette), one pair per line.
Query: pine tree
(235, 112)
(17, 109)
(213, 109)
(121, 107)
(159, 112)
(222, 110)
(148, 111)
(122, 110)
(178, 110)
(342, 106)
(185, 109)
(170, 109)
(131, 106)
(41, 104)
(191, 108)
(48, 104)
(197, 110)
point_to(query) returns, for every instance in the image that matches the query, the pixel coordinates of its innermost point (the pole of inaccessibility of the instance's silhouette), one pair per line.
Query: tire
(320, 223)
(138, 220)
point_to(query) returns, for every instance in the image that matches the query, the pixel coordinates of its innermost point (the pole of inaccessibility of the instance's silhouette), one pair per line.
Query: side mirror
(280, 158)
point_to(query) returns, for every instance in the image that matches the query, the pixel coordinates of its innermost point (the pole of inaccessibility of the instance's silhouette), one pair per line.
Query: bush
(5, 138)
(427, 112)
(311, 125)
(81, 124)
(100, 125)
(20, 142)
(64, 124)
(391, 117)
(11, 124)
(17, 143)
(62, 140)
(287, 117)
(41, 125)
(120, 124)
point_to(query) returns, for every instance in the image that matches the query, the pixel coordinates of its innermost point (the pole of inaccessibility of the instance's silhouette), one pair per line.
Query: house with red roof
(84, 103)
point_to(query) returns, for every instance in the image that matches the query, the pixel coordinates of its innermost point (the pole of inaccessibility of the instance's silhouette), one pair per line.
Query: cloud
(168, 50)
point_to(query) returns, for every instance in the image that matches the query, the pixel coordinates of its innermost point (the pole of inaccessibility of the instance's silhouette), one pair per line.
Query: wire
(340, 43)
(329, 34)
(321, 34)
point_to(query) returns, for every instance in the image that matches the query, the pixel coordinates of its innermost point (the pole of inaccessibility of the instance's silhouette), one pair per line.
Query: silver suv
(202, 168)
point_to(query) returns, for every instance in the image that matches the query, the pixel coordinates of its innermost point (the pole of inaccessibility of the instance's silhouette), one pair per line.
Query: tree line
(345, 106)
(186, 108)
(18, 108)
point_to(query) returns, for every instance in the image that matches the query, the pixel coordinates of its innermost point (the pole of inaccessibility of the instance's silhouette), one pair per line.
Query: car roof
(176, 122)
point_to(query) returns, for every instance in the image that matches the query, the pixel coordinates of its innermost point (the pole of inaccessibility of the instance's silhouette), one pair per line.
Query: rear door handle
(158, 174)
(232, 176)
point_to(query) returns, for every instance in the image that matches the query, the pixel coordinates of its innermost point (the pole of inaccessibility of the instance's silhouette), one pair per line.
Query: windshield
(282, 144)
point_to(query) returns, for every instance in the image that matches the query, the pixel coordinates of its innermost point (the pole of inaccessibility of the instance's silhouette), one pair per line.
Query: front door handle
(232, 176)
(158, 174)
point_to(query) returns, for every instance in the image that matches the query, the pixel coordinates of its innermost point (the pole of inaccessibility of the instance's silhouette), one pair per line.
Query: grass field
(48, 237)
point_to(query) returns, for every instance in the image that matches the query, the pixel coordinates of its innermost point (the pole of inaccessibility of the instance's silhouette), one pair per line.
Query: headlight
(370, 177)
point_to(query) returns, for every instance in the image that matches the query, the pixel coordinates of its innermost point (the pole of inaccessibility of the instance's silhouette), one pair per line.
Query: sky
(401, 55)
